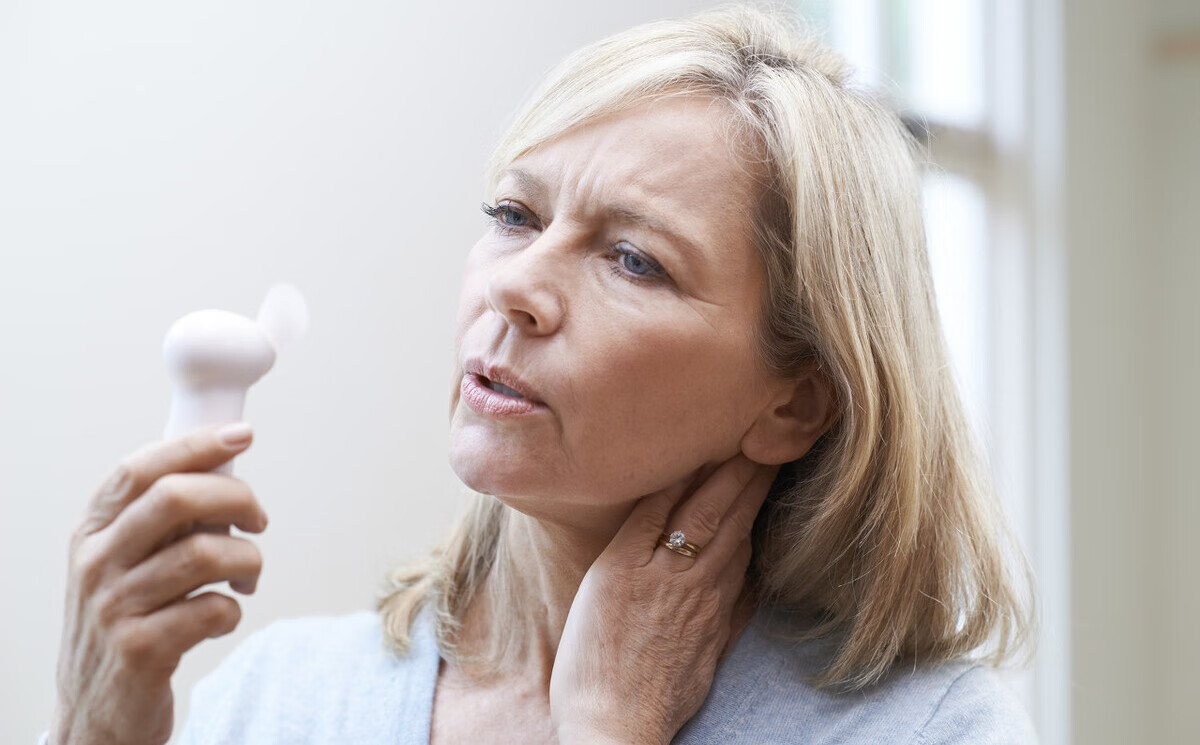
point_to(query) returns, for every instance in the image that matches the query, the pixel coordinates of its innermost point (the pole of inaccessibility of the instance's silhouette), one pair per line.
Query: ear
(797, 415)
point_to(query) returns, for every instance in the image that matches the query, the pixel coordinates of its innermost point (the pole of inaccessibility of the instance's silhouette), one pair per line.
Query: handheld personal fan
(214, 356)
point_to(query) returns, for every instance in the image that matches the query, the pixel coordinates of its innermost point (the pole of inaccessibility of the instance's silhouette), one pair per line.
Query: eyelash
(659, 274)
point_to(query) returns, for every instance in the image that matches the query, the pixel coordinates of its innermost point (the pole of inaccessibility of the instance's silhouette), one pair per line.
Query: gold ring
(677, 543)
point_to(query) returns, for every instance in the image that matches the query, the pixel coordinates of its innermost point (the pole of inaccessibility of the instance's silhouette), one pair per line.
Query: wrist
(63, 732)
(585, 738)
(583, 734)
(592, 737)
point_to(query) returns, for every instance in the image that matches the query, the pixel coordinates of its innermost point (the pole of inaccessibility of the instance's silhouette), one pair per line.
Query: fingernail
(235, 435)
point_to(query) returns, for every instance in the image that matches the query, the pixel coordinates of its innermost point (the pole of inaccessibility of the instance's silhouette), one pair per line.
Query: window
(958, 71)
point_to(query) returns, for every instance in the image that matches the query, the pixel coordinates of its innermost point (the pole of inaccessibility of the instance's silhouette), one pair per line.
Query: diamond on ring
(679, 544)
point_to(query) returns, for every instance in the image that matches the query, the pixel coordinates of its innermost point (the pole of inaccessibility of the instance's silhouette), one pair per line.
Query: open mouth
(500, 388)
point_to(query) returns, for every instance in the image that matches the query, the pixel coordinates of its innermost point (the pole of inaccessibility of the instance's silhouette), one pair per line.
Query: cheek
(471, 301)
(470, 294)
(658, 409)
(669, 378)
(643, 403)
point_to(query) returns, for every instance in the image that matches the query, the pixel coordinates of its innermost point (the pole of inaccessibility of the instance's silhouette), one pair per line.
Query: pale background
(156, 159)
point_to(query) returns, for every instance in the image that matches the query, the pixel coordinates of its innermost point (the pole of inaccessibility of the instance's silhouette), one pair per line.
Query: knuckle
(743, 521)
(198, 554)
(171, 495)
(136, 646)
(87, 566)
(122, 478)
(656, 508)
(106, 609)
(109, 498)
(658, 513)
(193, 446)
(705, 519)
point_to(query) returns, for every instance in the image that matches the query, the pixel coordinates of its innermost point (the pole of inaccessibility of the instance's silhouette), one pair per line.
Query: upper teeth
(504, 389)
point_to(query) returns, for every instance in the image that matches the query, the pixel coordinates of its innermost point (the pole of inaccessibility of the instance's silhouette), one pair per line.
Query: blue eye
(507, 217)
(511, 219)
(637, 268)
(639, 261)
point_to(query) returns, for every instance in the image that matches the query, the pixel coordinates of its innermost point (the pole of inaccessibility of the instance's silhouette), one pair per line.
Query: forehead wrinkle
(626, 196)
(526, 180)
(695, 203)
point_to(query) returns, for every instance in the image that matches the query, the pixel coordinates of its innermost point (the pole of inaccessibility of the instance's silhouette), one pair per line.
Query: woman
(699, 368)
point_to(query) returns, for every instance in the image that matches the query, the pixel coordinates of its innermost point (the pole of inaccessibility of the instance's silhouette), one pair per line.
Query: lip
(503, 376)
(484, 400)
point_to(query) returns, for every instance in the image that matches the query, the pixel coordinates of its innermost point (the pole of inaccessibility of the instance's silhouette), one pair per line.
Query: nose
(523, 288)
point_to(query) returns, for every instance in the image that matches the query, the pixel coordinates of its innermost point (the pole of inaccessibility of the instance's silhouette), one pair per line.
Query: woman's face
(618, 280)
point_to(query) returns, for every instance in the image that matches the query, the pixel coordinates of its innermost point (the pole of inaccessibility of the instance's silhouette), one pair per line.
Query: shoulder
(315, 679)
(978, 707)
(763, 693)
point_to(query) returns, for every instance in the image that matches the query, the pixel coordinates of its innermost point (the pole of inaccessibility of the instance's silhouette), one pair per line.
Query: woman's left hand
(648, 626)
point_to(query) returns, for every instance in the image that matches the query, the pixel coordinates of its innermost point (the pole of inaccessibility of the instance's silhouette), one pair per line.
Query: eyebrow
(615, 212)
(621, 213)
(527, 180)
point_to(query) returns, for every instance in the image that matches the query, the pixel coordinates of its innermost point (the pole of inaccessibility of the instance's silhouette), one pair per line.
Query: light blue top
(331, 680)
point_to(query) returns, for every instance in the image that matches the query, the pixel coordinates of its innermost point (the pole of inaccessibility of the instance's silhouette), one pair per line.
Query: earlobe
(792, 421)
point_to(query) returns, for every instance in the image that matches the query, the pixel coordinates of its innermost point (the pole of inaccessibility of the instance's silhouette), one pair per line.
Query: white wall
(1173, 129)
(157, 158)
(1131, 224)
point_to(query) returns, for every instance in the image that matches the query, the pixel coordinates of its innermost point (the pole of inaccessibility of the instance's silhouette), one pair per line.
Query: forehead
(674, 164)
(678, 141)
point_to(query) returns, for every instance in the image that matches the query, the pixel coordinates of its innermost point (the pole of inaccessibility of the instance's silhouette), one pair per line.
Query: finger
(701, 514)
(734, 585)
(156, 642)
(637, 535)
(732, 580)
(671, 560)
(177, 504)
(736, 525)
(699, 517)
(202, 449)
(643, 526)
(732, 576)
(184, 566)
(186, 530)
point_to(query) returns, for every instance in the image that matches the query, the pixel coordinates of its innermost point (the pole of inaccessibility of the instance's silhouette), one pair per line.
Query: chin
(505, 481)
(488, 470)
(524, 484)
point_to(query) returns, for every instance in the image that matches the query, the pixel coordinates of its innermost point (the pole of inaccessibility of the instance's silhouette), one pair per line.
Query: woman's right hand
(156, 530)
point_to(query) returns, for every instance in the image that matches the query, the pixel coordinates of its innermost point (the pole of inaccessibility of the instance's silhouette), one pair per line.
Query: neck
(540, 565)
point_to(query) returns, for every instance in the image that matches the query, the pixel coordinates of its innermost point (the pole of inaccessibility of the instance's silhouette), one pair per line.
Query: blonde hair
(887, 531)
